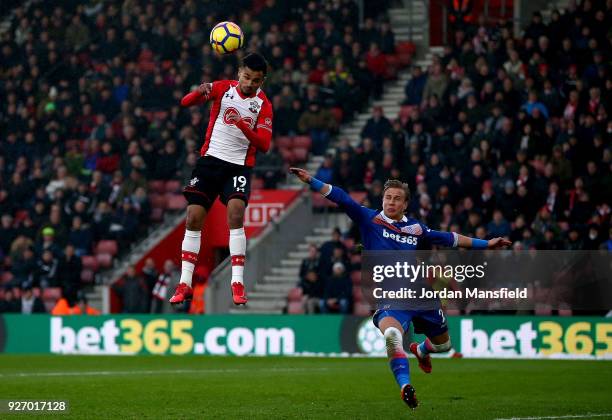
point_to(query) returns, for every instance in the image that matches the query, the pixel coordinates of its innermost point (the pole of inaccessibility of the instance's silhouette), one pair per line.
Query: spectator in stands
(312, 289)
(533, 103)
(64, 306)
(9, 233)
(124, 222)
(198, 303)
(377, 127)
(9, 304)
(387, 38)
(29, 303)
(134, 181)
(149, 274)
(69, 272)
(270, 167)
(415, 86)
(319, 123)
(82, 306)
(166, 163)
(48, 242)
(339, 255)
(166, 282)
(310, 263)
(45, 274)
(133, 291)
(436, 83)
(326, 252)
(326, 172)
(80, 236)
(24, 265)
(377, 67)
(337, 296)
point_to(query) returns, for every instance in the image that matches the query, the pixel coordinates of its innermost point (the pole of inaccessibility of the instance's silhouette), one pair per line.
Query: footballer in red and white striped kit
(240, 125)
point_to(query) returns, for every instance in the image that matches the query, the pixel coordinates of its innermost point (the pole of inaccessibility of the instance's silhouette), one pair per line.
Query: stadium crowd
(500, 136)
(90, 116)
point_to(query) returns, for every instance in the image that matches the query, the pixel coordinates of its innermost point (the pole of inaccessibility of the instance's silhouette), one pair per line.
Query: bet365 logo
(402, 239)
(168, 336)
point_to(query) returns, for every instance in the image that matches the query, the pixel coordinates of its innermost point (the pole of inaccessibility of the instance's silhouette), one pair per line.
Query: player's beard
(247, 91)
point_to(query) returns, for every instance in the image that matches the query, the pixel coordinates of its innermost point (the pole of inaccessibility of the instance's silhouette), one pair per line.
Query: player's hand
(236, 118)
(205, 88)
(233, 117)
(496, 243)
(302, 174)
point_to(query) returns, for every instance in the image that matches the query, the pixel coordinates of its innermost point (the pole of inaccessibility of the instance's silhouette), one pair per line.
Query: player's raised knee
(441, 348)
(393, 339)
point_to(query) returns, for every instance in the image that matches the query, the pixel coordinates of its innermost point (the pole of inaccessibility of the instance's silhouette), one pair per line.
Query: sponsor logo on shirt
(410, 240)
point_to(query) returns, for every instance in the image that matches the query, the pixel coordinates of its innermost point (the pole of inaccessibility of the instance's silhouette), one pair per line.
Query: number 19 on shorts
(240, 183)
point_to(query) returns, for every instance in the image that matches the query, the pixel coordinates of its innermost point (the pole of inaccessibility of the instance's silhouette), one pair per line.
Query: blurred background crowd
(500, 136)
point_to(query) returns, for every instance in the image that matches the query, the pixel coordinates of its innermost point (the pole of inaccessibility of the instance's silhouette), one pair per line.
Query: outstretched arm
(316, 185)
(454, 240)
(198, 96)
(336, 194)
(474, 243)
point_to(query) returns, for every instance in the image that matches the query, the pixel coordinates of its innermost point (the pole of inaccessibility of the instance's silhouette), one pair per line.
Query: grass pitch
(194, 387)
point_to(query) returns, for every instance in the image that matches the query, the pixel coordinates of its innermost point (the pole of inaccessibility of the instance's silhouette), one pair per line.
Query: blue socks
(401, 370)
(424, 348)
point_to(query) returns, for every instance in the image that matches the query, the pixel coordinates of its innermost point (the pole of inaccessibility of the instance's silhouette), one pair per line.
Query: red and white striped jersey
(223, 139)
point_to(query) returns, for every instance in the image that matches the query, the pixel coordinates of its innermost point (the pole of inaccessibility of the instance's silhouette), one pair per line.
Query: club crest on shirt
(193, 181)
(414, 229)
(254, 107)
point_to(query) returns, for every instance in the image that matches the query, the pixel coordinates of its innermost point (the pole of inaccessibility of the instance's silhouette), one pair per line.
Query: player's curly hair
(396, 183)
(255, 62)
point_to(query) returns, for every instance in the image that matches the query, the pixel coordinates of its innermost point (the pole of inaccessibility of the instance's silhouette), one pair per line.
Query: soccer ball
(226, 37)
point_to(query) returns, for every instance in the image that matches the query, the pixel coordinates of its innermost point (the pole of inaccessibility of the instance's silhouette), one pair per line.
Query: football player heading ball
(240, 124)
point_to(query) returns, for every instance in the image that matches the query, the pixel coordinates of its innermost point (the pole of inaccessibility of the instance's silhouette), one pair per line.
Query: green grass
(264, 388)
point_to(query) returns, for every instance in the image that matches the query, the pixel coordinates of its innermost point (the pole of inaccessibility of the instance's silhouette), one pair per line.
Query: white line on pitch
(153, 372)
(571, 416)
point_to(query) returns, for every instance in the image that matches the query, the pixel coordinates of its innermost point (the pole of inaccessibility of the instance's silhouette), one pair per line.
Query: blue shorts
(431, 322)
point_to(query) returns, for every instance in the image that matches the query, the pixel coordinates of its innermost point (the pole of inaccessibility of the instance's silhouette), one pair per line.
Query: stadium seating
(104, 260)
(157, 186)
(107, 247)
(176, 201)
(88, 276)
(295, 308)
(173, 186)
(90, 262)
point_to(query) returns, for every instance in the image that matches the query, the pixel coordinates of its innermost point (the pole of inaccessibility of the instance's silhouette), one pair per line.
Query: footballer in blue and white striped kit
(390, 229)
